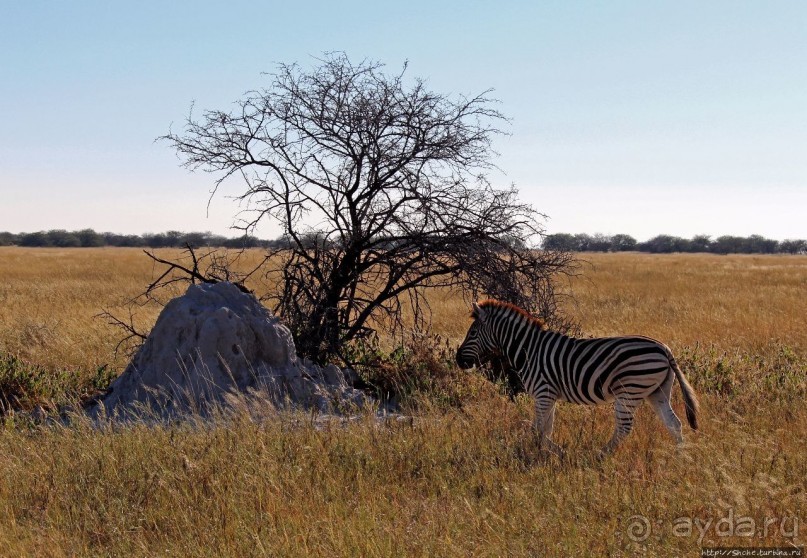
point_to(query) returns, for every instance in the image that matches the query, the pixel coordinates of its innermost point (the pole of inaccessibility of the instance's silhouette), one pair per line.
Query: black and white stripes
(554, 367)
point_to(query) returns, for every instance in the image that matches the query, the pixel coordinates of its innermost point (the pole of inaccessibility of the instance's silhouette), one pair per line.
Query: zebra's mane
(492, 303)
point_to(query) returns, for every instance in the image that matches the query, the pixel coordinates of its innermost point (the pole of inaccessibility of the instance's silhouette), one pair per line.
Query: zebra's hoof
(604, 453)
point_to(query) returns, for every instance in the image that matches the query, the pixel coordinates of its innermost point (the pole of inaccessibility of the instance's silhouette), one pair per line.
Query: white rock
(214, 343)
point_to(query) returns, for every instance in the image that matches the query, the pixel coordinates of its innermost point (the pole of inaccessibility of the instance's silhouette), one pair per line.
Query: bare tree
(381, 188)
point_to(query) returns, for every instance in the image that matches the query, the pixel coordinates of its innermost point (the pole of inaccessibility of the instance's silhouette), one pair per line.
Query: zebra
(555, 367)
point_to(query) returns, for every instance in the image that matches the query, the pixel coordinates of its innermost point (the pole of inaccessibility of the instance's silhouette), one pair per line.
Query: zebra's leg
(660, 400)
(624, 408)
(544, 422)
(549, 421)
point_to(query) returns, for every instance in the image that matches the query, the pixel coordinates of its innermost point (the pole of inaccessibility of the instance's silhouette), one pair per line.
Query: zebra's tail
(690, 400)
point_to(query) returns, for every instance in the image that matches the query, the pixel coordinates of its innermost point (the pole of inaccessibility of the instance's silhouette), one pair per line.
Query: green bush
(420, 371)
(25, 386)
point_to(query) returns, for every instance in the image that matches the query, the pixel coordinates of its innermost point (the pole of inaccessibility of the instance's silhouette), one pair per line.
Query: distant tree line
(661, 244)
(665, 244)
(87, 238)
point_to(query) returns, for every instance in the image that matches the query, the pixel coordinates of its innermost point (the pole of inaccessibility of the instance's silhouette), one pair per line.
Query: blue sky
(637, 117)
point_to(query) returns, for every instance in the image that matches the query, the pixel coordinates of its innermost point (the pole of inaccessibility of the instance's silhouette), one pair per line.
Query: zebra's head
(478, 347)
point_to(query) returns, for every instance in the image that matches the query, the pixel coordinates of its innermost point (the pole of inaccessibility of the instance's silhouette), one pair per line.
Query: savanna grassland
(460, 477)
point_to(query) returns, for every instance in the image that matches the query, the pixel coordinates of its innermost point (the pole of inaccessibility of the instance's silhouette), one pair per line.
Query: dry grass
(453, 482)
(50, 296)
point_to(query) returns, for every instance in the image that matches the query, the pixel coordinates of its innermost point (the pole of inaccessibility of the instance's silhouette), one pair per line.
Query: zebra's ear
(477, 312)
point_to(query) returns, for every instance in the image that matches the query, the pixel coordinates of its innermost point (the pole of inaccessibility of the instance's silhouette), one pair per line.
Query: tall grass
(456, 479)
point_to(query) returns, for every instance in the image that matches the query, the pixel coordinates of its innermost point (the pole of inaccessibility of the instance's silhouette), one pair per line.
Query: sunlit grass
(455, 480)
